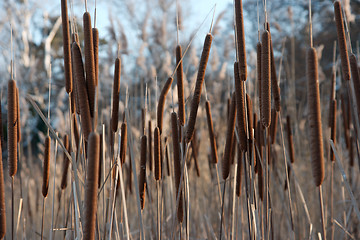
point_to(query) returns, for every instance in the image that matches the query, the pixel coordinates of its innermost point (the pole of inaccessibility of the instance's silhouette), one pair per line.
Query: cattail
(161, 103)
(316, 141)
(255, 158)
(274, 84)
(290, 139)
(150, 153)
(12, 128)
(18, 116)
(66, 163)
(157, 158)
(177, 164)
(198, 87)
(195, 155)
(46, 169)
(91, 186)
(143, 116)
(240, 107)
(95, 33)
(345, 115)
(89, 61)
(239, 170)
(342, 40)
(265, 113)
(75, 94)
(2, 199)
(116, 92)
(229, 139)
(82, 92)
(273, 125)
(66, 47)
(123, 142)
(356, 79)
(240, 40)
(180, 85)
(142, 174)
(333, 127)
(211, 133)
(258, 69)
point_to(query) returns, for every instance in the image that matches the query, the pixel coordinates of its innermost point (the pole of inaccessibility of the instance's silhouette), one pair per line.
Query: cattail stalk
(198, 87)
(240, 107)
(45, 183)
(90, 208)
(89, 61)
(177, 165)
(82, 92)
(116, 93)
(180, 85)
(229, 139)
(66, 47)
(142, 174)
(211, 133)
(265, 113)
(316, 142)
(342, 40)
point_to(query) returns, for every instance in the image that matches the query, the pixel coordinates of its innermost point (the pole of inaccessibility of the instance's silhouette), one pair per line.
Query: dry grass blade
(240, 107)
(66, 47)
(213, 147)
(265, 109)
(342, 40)
(82, 92)
(161, 103)
(12, 128)
(229, 139)
(46, 167)
(89, 61)
(314, 117)
(142, 173)
(240, 39)
(91, 186)
(116, 93)
(198, 87)
(180, 85)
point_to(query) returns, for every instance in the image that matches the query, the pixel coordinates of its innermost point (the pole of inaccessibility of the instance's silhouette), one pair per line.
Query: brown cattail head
(91, 186)
(265, 109)
(356, 79)
(239, 170)
(89, 61)
(342, 40)
(142, 174)
(157, 158)
(66, 46)
(198, 87)
(12, 128)
(240, 107)
(258, 69)
(46, 168)
(333, 127)
(82, 92)
(290, 139)
(150, 152)
(180, 85)
(66, 163)
(273, 125)
(177, 164)
(2, 199)
(75, 94)
(18, 116)
(123, 142)
(116, 93)
(316, 141)
(240, 39)
(229, 139)
(211, 133)
(161, 103)
(95, 33)
(274, 85)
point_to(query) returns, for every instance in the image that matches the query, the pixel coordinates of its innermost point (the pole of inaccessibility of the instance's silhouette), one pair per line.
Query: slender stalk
(222, 210)
(12, 207)
(322, 212)
(42, 218)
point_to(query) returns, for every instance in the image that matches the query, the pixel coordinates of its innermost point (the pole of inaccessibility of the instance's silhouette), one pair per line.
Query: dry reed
(315, 130)
(198, 87)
